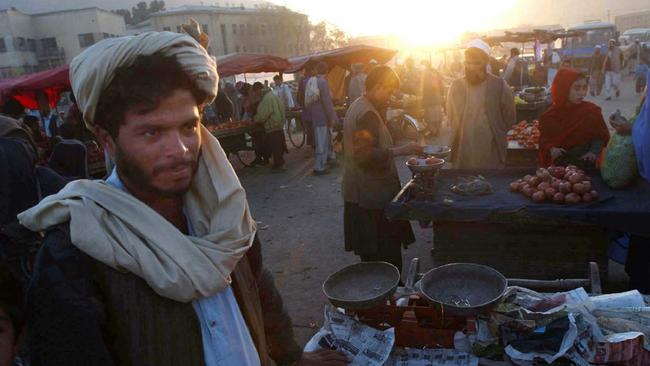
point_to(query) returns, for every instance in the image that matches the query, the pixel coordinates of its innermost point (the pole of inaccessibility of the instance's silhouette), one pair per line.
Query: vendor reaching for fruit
(370, 179)
(572, 130)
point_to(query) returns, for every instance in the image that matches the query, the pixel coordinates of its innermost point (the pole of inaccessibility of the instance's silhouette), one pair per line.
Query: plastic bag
(619, 168)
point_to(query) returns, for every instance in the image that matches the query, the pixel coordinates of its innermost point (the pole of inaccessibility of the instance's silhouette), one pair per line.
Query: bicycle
(295, 129)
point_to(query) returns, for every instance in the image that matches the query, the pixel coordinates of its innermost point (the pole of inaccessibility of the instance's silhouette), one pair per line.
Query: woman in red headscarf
(572, 131)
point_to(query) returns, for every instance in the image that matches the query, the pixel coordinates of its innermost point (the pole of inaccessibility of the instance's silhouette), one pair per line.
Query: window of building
(256, 29)
(237, 48)
(21, 44)
(242, 29)
(86, 40)
(250, 28)
(106, 35)
(263, 29)
(167, 29)
(204, 28)
(234, 29)
(244, 48)
(179, 29)
(3, 45)
(31, 45)
(49, 43)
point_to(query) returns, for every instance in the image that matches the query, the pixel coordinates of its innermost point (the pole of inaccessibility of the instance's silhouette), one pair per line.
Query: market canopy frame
(343, 57)
(250, 63)
(25, 88)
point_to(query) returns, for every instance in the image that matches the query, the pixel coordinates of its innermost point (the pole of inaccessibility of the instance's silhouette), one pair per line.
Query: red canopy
(241, 63)
(24, 88)
(344, 57)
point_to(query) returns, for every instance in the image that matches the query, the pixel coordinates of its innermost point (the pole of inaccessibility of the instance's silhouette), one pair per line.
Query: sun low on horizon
(419, 22)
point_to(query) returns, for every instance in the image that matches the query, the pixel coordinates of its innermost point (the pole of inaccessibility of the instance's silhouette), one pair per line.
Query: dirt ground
(300, 219)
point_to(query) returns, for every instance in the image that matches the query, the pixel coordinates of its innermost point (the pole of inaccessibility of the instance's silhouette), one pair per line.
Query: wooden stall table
(236, 138)
(520, 238)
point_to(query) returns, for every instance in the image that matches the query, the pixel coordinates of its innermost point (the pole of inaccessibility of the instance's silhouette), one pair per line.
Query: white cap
(481, 45)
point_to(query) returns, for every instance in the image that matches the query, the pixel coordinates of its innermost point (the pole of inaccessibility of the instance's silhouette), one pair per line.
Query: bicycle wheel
(246, 157)
(298, 134)
(246, 151)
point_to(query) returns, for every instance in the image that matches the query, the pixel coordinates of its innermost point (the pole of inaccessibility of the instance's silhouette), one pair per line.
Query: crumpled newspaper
(362, 344)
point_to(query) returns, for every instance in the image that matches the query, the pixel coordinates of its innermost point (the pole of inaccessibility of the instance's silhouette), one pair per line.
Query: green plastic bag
(618, 167)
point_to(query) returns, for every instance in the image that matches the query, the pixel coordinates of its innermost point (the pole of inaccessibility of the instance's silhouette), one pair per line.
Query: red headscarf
(566, 125)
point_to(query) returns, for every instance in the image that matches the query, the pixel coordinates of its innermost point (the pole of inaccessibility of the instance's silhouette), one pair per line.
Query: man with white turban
(481, 110)
(159, 264)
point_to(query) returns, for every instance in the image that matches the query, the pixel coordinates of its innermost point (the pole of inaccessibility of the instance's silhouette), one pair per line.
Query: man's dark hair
(277, 77)
(322, 68)
(258, 86)
(13, 108)
(382, 75)
(142, 85)
(514, 52)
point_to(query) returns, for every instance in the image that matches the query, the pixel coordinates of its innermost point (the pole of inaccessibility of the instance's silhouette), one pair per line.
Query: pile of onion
(563, 185)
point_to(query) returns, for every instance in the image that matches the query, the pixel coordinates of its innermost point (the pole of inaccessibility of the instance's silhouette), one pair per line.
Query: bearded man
(481, 110)
(159, 264)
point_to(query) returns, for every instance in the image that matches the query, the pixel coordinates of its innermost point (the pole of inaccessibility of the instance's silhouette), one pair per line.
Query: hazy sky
(420, 21)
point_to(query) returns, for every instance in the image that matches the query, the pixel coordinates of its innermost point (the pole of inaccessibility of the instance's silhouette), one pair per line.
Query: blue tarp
(625, 210)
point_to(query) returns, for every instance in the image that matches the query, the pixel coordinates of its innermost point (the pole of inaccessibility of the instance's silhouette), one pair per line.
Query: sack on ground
(619, 167)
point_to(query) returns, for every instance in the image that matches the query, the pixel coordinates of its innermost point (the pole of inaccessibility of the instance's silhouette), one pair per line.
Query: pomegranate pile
(527, 135)
(562, 185)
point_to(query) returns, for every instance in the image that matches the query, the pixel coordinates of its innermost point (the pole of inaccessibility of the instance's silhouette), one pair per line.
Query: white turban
(93, 70)
(481, 45)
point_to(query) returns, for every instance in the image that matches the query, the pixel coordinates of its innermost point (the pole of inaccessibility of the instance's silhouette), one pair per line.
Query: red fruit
(550, 193)
(514, 187)
(594, 195)
(556, 184)
(565, 187)
(587, 185)
(534, 181)
(558, 198)
(539, 197)
(528, 191)
(542, 186)
(587, 198)
(579, 188)
(412, 161)
(575, 178)
(572, 199)
(432, 161)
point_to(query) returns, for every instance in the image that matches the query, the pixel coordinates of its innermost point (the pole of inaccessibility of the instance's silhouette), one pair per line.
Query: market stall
(466, 314)
(339, 61)
(237, 137)
(515, 235)
(30, 89)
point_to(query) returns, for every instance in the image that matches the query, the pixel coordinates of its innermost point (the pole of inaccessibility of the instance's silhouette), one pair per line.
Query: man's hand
(589, 157)
(323, 357)
(622, 127)
(556, 152)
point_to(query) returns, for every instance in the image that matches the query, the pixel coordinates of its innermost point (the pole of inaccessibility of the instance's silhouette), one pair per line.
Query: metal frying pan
(362, 285)
(463, 289)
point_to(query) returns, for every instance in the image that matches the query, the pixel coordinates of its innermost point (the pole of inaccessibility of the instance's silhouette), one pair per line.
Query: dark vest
(369, 189)
(144, 328)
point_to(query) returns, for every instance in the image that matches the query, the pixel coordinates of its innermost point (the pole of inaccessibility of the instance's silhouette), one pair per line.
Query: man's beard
(475, 78)
(135, 175)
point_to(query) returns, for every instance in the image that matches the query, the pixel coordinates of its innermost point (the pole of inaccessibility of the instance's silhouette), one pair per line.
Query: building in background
(272, 30)
(639, 19)
(35, 42)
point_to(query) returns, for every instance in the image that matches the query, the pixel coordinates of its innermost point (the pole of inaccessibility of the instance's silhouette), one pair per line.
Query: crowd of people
(112, 271)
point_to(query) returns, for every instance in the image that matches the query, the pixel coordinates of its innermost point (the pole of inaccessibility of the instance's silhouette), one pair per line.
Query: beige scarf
(124, 233)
